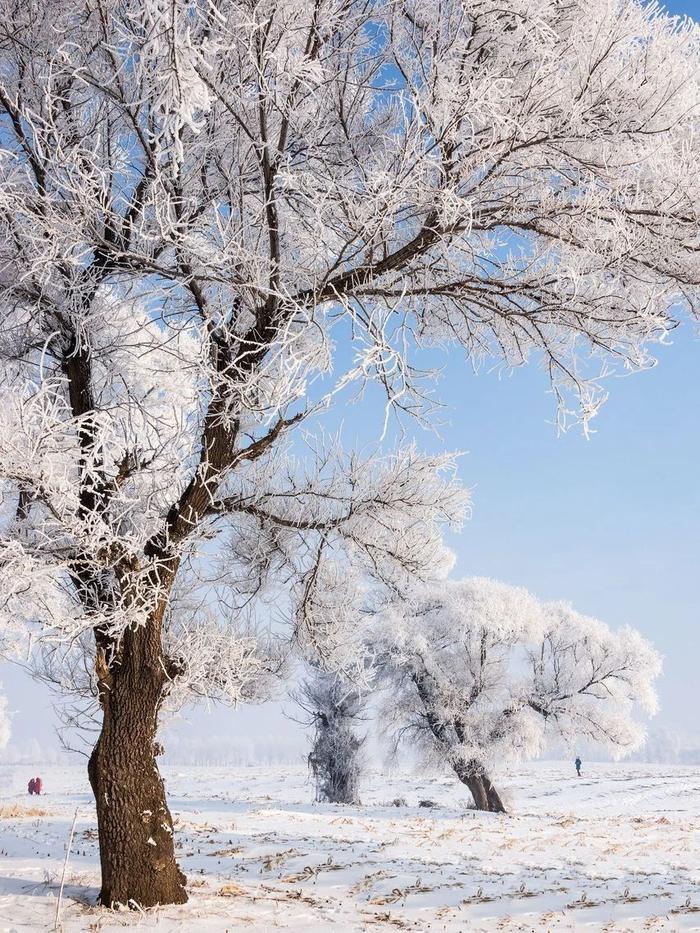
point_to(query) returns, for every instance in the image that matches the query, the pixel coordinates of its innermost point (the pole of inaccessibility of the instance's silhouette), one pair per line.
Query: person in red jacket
(37, 785)
(31, 787)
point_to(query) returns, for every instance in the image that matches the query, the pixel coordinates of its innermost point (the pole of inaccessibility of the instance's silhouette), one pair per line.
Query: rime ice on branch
(200, 203)
(482, 675)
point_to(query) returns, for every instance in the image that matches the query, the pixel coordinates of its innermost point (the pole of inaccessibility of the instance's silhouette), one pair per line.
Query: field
(617, 849)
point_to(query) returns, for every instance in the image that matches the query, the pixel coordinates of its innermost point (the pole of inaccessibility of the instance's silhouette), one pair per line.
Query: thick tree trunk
(135, 828)
(494, 798)
(336, 779)
(477, 790)
(335, 763)
(486, 797)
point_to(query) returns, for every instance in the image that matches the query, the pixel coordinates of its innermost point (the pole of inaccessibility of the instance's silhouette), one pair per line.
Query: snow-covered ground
(617, 849)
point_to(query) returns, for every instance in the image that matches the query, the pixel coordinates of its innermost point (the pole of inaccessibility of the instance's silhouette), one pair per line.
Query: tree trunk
(486, 797)
(137, 852)
(335, 762)
(477, 790)
(492, 795)
(470, 772)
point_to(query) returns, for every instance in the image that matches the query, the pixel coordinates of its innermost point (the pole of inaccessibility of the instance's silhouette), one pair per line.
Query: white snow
(616, 850)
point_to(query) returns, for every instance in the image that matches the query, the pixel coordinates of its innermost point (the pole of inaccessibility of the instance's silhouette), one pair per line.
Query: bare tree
(482, 674)
(334, 709)
(201, 201)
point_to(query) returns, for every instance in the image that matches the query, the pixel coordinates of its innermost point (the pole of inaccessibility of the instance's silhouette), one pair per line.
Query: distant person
(31, 787)
(37, 785)
(578, 764)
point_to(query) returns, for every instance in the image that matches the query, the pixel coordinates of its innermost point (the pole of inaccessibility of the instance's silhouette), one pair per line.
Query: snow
(482, 673)
(614, 850)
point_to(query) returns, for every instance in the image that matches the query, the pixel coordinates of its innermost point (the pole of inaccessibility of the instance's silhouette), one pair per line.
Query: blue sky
(610, 523)
(689, 7)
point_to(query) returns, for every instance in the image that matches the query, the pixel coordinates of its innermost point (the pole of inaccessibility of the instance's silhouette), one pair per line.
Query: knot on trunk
(174, 667)
(102, 672)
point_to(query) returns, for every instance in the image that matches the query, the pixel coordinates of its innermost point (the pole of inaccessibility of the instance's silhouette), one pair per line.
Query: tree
(661, 746)
(201, 201)
(334, 707)
(482, 674)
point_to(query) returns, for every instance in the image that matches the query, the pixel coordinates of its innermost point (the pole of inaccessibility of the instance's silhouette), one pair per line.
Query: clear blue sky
(687, 7)
(611, 523)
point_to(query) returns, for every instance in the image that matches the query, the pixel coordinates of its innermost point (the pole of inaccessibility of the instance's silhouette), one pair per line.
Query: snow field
(616, 850)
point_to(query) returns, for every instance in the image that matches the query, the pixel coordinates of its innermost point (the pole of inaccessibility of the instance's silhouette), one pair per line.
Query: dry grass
(11, 811)
(232, 890)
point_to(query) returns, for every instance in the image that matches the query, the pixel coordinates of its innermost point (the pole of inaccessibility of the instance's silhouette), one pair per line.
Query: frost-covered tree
(334, 708)
(482, 674)
(661, 745)
(200, 202)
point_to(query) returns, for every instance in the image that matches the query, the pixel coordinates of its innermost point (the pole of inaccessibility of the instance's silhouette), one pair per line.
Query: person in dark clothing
(578, 766)
(31, 787)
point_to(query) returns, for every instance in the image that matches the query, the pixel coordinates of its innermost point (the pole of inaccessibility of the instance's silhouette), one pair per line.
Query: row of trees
(217, 217)
(480, 675)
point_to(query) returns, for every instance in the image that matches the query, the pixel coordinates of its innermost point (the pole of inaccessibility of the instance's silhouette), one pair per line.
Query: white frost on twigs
(217, 219)
(482, 671)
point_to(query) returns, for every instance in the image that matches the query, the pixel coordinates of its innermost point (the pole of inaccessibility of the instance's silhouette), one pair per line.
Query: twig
(63, 873)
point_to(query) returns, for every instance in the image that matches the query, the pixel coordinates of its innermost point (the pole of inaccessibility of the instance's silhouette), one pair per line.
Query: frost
(482, 675)
(173, 60)
(218, 220)
(334, 708)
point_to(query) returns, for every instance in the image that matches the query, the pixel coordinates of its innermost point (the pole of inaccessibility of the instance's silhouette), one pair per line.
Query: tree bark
(494, 798)
(486, 797)
(135, 828)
